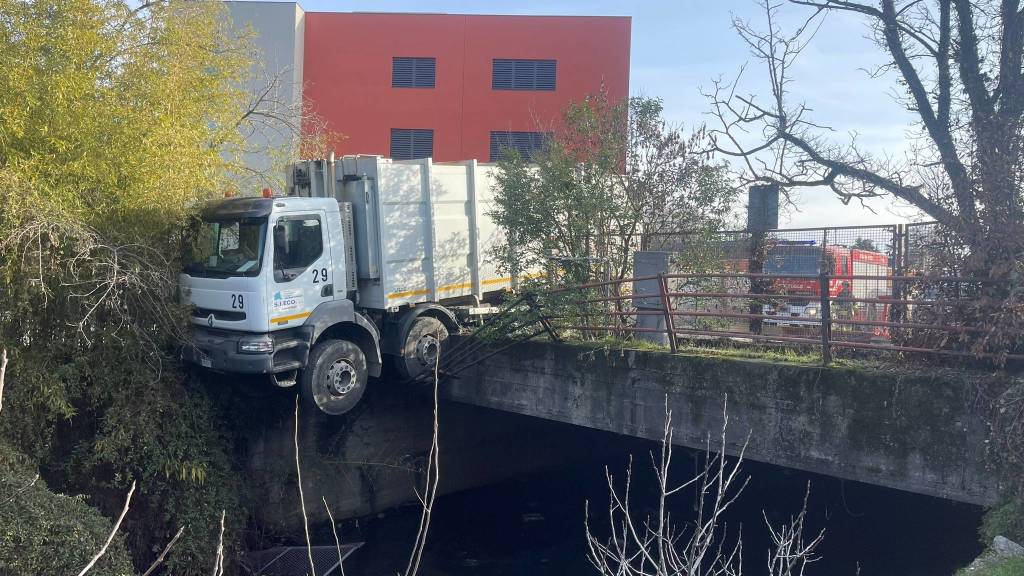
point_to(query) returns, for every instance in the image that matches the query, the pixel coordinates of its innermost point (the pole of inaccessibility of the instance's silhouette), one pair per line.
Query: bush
(119, 119)
(1004, 519)
(1005, 567)
(46, 533)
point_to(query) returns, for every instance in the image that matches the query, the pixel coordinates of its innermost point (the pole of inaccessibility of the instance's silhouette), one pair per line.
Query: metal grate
(510, 74)
(526, 143)
(409, 72)
(410, 143)
(294, 560)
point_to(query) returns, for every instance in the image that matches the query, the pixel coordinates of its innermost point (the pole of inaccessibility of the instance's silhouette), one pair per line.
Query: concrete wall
(370, 460)
(349, 61)
(279, 29)
(340, 63)
(906, 430)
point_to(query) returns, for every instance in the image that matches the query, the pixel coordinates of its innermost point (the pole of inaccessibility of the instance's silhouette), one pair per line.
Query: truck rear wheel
(335, 378)
(421, 348)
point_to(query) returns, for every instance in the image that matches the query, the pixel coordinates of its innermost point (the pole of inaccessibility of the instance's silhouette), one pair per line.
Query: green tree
(613, 178)
(117, 119)
(864, 244)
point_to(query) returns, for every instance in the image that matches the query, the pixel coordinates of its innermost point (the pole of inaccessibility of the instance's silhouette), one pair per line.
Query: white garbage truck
(366, 261)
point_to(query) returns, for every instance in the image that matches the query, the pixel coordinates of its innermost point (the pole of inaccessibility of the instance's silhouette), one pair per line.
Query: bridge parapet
(912, 430)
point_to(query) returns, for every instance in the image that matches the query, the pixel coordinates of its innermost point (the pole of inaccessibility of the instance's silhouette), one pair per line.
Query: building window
(526, 143)
(409, 144)
(523, 75)
(413, 72)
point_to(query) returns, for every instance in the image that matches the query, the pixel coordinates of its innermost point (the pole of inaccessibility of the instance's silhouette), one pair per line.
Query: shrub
(46, 533)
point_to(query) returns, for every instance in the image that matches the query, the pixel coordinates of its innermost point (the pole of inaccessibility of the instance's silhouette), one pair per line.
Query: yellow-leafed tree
(117, 119)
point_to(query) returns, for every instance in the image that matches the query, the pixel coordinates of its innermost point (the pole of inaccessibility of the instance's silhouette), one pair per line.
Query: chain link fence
(896, 288)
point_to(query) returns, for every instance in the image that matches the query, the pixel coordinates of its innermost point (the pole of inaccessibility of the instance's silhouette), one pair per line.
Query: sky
(680, 46)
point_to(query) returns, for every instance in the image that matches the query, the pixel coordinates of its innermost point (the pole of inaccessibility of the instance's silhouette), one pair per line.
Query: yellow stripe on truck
(461, 286)
(408, 293)
(451, 287)
(289, 318)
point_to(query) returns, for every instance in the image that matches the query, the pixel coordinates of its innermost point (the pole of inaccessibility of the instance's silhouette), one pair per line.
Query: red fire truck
(806, 258)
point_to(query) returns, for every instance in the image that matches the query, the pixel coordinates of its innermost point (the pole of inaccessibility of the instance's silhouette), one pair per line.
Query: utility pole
(762, 216)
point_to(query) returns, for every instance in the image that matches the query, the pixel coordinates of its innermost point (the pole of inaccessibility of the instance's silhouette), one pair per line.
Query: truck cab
(265, 278)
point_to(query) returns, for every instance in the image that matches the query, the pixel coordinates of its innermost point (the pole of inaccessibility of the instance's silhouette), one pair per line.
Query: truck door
(303, 276)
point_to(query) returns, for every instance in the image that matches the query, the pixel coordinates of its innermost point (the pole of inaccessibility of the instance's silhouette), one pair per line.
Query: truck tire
(335, 378)
(421, 347)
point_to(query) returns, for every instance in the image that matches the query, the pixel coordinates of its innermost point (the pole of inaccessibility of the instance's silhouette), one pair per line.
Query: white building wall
(279, 38)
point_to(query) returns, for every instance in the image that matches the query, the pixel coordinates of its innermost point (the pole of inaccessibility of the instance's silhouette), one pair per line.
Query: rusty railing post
(825, 314)
(666, 306)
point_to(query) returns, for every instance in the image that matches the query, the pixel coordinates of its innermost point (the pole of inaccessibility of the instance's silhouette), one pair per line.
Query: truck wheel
(421, 348)
(335, 378)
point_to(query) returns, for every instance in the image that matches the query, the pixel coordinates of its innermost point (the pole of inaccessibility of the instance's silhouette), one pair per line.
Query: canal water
(535, 524)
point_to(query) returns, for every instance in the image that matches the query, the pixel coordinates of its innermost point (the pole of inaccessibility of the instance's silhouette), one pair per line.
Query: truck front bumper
(218, 350)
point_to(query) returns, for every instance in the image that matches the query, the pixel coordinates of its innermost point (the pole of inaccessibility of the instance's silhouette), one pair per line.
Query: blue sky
(678, 46)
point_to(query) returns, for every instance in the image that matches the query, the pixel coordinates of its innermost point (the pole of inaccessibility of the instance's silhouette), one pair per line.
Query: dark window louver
(526, 143)
(410, 144)
(523, 74)
(413, 72)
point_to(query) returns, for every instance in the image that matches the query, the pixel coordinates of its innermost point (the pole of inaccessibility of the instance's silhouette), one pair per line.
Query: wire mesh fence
(892, 287)
(787, 305)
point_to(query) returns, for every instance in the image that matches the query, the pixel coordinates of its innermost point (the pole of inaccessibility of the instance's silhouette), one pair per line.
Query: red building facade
(455, 86)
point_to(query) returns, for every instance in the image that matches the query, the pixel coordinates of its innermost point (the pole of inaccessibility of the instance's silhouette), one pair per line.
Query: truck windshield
(227, 248)
(792, 260)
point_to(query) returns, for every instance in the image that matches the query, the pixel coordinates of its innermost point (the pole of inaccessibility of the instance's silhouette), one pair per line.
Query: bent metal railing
(879, 313)
(876, 320)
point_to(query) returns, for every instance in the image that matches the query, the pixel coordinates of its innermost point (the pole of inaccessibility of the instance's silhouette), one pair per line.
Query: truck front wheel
(335, 378)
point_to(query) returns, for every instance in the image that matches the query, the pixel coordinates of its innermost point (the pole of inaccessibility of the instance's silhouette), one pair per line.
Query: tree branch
(911, 194)
(936, 130)
(971, 76)
(113, 532)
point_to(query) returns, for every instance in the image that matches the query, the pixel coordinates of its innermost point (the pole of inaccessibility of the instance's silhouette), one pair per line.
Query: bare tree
(218, 560)
(113, 532)
(120, 286)
(3, 375)
(433, 476)
(163, 553)
(337, 541)
(655, 546)
(278, 126)
(792, 552)
(959, 66)
(302, 496)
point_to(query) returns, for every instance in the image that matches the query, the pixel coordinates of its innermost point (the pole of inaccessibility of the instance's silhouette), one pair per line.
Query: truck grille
(222, 315)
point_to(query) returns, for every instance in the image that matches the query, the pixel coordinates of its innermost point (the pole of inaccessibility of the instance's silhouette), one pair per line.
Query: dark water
(535, 525)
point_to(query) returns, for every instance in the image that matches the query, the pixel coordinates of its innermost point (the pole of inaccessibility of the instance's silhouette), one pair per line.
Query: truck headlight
(256, 346)
(812, 311)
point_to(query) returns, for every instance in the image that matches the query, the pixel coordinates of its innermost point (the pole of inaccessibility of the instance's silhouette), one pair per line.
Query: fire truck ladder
(517, 322)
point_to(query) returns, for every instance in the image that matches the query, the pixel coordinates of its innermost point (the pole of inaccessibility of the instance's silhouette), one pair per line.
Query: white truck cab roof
(258, 207)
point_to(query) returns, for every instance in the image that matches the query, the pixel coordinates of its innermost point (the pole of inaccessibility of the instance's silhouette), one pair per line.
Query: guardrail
(701, 306)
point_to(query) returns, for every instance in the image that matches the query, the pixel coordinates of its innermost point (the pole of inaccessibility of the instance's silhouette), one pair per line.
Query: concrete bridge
(915, 428)
(912, 429)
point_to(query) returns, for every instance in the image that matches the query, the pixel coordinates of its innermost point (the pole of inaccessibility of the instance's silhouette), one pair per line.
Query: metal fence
(865, 287)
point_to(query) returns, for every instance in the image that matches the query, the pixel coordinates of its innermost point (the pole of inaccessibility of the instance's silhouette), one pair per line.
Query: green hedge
(46, 533)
